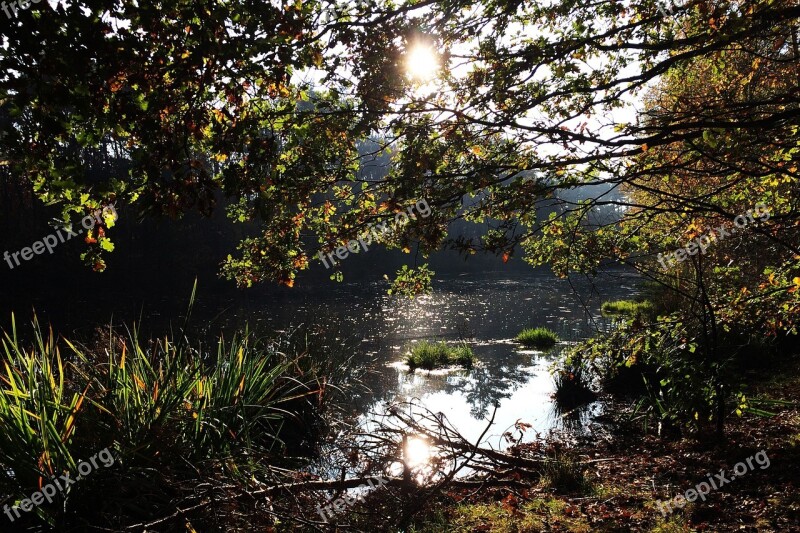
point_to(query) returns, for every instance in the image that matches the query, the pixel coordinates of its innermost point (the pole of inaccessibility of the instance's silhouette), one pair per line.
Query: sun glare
(417, 452)
(422, 63)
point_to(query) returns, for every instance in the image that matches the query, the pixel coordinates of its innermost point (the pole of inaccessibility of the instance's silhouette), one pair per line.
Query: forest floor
(626, 471)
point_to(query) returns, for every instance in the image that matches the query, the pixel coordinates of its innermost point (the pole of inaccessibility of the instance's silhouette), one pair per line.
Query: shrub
(660, 366)
(430, 355)
(538, 337)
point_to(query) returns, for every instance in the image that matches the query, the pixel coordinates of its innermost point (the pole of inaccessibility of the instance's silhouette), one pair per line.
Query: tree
(200, 97)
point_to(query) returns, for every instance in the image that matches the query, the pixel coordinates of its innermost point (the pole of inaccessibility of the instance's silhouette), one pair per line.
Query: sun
(422, 63)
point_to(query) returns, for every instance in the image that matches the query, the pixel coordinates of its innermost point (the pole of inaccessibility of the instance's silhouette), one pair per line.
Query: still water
(357, 321)
(487, 311)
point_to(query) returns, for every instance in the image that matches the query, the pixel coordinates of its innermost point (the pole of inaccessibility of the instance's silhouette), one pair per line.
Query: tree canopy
(690, 114)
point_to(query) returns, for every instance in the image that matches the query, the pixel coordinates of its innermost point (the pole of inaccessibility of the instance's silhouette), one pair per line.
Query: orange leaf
(241, 386)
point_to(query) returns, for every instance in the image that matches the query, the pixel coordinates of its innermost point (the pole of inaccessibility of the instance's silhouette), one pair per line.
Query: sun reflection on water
(417, 452)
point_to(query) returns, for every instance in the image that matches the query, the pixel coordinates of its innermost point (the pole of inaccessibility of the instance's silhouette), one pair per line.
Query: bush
(430, 355)
(661, 367)
(538, 337)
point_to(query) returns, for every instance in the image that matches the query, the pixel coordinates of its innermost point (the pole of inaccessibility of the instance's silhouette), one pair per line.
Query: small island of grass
(432, 355)
(537, 338)
(627, 308)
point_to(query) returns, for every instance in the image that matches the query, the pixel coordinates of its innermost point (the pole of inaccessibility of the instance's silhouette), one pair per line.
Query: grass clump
(431, 355)
(572, 383)
(564, 474)
(628, 308)
(538, 337)
(172, 415)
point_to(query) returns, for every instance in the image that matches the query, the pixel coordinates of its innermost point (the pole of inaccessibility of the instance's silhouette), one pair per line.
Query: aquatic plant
(537, 337)
(572, 384)
(628, 308)
(169, 411)
(431, 355)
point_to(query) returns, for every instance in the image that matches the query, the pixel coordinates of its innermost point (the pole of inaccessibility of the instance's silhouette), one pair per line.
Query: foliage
(537, 337)
(208, 410)
(412, 281)
(198, 100)
(158, 404)
(431, 355)
(39, 414)
(663, 368)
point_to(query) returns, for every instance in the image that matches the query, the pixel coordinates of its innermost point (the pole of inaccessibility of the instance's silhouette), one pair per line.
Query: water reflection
(417, 452)
(357, 322)
(517, 381)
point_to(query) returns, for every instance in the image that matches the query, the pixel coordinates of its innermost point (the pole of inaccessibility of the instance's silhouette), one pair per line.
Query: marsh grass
(163, 406)
(431, 355)
(629, 308)
(538, 338)
(564, 474)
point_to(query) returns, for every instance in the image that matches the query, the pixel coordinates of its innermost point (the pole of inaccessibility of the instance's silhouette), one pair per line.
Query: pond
(486, 310)
(373, 330)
